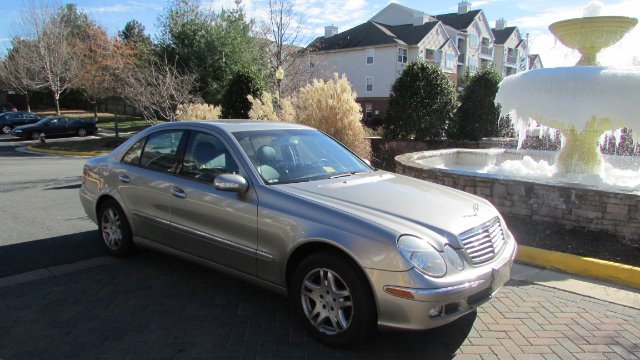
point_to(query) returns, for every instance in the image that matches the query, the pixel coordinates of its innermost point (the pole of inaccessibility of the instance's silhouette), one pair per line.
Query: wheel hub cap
(326, 301)
(111, 229)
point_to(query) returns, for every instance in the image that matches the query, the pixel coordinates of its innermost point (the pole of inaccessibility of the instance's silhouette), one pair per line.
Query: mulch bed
(593, 244)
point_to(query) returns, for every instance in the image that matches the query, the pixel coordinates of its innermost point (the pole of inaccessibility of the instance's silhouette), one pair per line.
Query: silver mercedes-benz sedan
(291, 209)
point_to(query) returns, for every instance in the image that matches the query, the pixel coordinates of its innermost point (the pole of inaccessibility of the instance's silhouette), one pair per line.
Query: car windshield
(297, 155)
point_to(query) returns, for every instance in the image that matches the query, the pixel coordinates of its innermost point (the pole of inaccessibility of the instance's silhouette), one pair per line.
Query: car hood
(403, 204)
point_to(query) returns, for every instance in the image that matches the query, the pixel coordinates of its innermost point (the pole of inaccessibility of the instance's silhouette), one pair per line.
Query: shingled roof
(502, 35)
(459, 21)
(373, 34)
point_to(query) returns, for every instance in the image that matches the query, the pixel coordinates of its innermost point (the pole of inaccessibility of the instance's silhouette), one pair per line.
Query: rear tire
(35, 135)
(114, 230)
(82, 132)
(332, 298)
(6, 129)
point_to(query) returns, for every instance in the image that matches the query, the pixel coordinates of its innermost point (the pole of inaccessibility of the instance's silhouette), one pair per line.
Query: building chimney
(329, 31)
(501, 24)
(463, 7)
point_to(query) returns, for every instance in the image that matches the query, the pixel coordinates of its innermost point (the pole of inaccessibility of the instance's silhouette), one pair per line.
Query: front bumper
(434, 306)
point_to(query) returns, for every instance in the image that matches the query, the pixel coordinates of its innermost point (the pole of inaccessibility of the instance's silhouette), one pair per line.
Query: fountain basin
(615, 210)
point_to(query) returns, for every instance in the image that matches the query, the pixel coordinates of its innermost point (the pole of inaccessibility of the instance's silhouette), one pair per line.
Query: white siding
(394, 14)
(353, 63)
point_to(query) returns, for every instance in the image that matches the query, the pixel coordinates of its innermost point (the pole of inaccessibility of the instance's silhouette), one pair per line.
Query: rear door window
(132, 156)
(160, 151)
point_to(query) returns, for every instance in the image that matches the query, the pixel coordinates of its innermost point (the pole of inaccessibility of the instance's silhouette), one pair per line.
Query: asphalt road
(41, 220)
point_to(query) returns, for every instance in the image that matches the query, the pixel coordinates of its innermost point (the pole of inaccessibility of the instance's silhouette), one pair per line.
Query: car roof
(232, 126)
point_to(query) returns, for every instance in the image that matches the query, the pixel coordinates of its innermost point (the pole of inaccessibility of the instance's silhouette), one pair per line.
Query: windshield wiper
(343, 175)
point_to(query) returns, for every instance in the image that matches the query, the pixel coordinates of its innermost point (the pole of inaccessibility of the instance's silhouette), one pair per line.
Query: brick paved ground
(157, 307)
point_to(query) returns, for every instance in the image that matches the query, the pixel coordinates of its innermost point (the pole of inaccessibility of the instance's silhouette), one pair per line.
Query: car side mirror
(231, 183)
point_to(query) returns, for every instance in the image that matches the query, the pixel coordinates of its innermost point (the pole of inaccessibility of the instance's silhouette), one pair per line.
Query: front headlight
(422, 255)
(17, 131)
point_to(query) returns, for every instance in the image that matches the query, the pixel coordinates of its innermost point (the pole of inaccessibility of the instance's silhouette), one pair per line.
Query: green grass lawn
(104, 144)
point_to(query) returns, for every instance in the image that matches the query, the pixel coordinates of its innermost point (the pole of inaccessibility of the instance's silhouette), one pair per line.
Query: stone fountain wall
(575, 206)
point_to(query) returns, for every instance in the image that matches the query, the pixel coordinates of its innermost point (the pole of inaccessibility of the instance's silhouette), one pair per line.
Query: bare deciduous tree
(158, 89)
(17, 70)
(284, 36)
(54, 53)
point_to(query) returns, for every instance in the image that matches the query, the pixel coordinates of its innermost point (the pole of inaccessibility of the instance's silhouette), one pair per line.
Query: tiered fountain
(577, 186)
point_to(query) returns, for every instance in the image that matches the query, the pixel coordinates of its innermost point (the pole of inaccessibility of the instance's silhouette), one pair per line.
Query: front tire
(114, 230)
(82, 132)
(332, 297)
(6, 129)
(35, 135)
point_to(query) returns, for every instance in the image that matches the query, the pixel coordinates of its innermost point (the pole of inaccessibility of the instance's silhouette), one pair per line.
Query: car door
(144, 179)
(217, 226)
(56, 126)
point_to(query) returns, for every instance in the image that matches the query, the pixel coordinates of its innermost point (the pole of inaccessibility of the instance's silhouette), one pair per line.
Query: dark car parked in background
(7, 107)
(56, 126)
(10, 120)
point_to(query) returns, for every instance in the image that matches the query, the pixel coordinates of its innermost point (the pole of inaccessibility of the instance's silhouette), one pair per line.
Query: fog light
(435, 312)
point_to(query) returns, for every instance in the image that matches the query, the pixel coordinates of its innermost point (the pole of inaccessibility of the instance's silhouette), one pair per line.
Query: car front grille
(483, 243)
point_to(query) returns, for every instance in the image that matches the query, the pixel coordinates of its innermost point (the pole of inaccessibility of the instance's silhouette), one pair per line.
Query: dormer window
(369, 56)
(402, 55)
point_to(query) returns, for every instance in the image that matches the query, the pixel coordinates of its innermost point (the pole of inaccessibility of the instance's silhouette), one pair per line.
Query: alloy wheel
(6, 129)
(111, 229)
(326, 301)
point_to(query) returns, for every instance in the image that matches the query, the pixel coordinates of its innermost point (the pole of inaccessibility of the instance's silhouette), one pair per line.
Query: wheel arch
(303, 251)
(106, 197)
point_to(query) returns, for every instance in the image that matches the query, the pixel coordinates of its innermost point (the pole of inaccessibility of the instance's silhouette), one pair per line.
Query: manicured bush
(421, 104)
(478, 115)
(235, 104)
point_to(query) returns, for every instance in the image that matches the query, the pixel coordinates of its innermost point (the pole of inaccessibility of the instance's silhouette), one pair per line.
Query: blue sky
(531, 16)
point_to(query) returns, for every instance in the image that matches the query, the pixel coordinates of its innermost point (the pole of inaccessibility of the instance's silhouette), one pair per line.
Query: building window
(473, 41)
(449, 60)
(473, 64)
(312, 61)
(369, 83)
(368, 111)
(402, 55)
(369, 56)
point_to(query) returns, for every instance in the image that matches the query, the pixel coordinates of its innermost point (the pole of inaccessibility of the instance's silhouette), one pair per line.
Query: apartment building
(373, 54)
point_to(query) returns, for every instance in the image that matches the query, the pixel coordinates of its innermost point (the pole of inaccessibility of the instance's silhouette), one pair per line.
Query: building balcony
(486, 52)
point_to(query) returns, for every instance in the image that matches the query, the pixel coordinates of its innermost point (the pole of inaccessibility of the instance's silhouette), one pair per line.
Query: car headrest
(266, 154)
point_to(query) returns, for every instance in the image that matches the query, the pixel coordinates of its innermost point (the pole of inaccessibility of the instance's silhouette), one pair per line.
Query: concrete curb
(587, 267)
(62, 152)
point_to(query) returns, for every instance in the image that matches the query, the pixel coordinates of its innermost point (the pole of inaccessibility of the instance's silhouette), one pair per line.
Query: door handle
(179, 193)
(124, 178)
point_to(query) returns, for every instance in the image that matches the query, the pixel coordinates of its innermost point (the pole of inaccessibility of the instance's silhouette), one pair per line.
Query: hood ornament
(476, 208)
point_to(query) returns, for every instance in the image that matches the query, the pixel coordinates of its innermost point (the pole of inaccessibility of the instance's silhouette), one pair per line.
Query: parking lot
(154, 306)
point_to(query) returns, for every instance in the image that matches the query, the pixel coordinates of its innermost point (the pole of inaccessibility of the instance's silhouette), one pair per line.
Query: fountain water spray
(582, 101)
